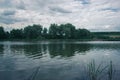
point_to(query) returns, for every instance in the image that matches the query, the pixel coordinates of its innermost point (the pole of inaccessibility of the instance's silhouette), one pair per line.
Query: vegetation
(3, 34)
(111, 71)
(107, 35)
(63, 31)
(94, 71)
(100, 72)
(55, 31)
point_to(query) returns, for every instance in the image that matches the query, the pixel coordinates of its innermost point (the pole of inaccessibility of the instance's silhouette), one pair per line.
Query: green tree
(2, 33)
(68, 31)
(33, 32)
(45, 33)
(63, 31)
(83, 34)
(16, 34)
(53, 31)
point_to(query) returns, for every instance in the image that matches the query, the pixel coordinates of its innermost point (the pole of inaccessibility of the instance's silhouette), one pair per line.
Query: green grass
(98, 72)
(94, 71)
(34, 74)
(111, 71)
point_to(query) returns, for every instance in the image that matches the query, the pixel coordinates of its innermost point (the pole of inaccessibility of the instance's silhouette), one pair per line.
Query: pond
(55, 60)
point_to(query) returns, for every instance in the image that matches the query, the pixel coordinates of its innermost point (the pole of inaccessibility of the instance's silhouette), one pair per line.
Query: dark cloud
(111, 9)
(59, 10)
(11, 4)
(84, 1)
(117, 27)
(7, 20)
(8, 17)
(10, 20)
(5, 4)
(8, 13)
(21, 5)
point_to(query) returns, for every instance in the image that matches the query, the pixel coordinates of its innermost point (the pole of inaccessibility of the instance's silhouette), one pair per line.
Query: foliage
(55, 31)
(111, 71)
(33, 32)
(99, 72)
(3, 34)
(83, 34)
(63, 31)
(16, 34)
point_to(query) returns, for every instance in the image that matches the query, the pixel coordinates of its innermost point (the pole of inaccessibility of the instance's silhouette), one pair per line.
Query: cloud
(60, 10)
(90, 14)
(8, 17)
(9, 20)
(84, 1)
(8, 13)
(5, 3)
(111, 9)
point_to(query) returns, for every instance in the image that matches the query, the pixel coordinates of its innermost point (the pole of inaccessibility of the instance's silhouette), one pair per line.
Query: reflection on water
(39, 50)
(1, 49)
(67, 50)
(19, 59)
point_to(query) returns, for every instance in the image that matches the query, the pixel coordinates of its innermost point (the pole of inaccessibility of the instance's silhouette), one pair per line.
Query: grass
(98, 72)
(34, 74)
(94, 71)
(111, 71)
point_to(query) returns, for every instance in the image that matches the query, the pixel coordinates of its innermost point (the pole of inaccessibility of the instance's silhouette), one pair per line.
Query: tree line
(55, 31)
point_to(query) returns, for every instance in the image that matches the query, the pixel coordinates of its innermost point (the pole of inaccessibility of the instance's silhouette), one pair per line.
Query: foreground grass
(100, 72)
(94, 71)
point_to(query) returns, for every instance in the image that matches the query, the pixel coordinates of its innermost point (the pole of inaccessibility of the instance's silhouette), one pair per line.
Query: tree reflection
(68, 50)
(33, 51)
(1, 49)
(82, 48)
(59, 49)
(56, 49)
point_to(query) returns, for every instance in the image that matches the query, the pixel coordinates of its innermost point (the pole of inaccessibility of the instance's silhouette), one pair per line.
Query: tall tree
(45, 33)
(2, 33)
(16, 34)
(33, 32)
(53, 31)
(83, 34)
(70, 31)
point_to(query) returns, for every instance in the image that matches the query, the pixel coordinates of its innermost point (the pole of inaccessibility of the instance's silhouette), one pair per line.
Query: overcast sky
(95, 15)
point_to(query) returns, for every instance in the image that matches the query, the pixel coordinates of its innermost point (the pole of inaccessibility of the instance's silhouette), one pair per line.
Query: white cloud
(90, 14)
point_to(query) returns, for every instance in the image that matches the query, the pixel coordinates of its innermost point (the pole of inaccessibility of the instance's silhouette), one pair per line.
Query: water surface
(56, 60)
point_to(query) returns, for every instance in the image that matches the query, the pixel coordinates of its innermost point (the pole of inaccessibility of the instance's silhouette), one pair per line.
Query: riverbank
(60, 40)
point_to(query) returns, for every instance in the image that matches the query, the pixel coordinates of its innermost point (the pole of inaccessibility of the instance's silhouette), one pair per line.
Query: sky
(95, 15)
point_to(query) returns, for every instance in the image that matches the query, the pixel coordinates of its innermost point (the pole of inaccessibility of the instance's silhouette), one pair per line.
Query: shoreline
(60, 40)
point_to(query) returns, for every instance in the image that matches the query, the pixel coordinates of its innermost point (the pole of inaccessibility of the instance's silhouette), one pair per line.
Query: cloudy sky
(95, 15)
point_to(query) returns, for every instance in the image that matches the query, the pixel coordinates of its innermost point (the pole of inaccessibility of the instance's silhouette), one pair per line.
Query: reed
(98, 72)
(111, 71)
(94, 71)
(34, 74)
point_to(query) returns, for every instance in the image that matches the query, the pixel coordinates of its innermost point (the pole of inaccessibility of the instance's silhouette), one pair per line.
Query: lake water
(56, 60)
